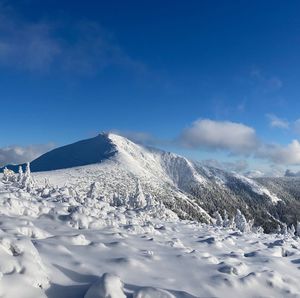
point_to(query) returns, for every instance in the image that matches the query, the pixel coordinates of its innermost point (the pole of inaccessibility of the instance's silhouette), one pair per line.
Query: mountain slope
(188, 188)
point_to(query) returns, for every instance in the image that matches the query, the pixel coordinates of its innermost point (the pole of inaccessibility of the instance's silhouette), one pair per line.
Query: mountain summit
(81, 153)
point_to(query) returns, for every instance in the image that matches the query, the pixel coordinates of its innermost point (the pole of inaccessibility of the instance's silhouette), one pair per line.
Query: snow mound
(20, 262)
(108, 286)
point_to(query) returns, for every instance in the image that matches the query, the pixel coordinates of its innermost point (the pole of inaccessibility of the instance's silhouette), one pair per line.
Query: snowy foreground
(55, 242)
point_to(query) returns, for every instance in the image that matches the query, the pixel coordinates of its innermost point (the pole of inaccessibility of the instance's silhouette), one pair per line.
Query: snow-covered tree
(278, 230)
(21, 174)
(93, 193)
(219, 219)
(126, 199)
(45, 192)
(27, 171)
(284, 229)
(72, 191)
(226, 221)
(138, 200)
(241, 222)
(117, 200)
(150, 200)
(258, 230)
(250, 224)
(291, 230)
(27, 181)
(232, 224)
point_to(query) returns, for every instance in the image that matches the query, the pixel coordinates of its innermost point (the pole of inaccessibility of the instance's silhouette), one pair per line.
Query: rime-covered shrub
(8, 175)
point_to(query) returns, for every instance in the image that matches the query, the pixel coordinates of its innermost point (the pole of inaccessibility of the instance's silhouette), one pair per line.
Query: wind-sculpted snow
(73, 241)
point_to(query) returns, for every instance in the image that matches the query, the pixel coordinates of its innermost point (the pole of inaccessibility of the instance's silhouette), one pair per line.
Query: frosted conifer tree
(72, 191)
(93, 193)
(226, 221)
(117, 200)
(241, 222)
(258, 230)
(292, 230)
(250, 224)
(28, 182)
(138, 200)
(278, 230)
(232, 224)
(219, 220)
(27, 171)
(284, 230)
(126, 199)
(45, 192)
(21, 174)
(150, 201)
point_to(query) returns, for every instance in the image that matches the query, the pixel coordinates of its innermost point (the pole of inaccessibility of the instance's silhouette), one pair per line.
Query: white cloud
(234, 137)
(277, 122)
(235, 165)
(290, 173)
(19, 154)
(288, 155)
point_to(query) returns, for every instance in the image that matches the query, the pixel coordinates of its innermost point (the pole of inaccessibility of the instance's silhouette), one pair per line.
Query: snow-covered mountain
(190, 189)
(106, 229)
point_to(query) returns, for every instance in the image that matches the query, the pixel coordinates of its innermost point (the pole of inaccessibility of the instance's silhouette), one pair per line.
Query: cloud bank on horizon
(21, 154)
(235, 139)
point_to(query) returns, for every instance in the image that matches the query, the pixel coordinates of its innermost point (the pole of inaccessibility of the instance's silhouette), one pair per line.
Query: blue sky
(167, 70)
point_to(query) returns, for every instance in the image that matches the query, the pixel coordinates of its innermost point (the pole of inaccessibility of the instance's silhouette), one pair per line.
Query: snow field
(58, 246)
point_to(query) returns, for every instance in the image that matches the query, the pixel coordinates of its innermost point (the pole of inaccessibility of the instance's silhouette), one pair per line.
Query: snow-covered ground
(59, 243)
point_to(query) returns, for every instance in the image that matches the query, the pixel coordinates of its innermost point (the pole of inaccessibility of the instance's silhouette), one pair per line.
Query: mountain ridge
(191, 190)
